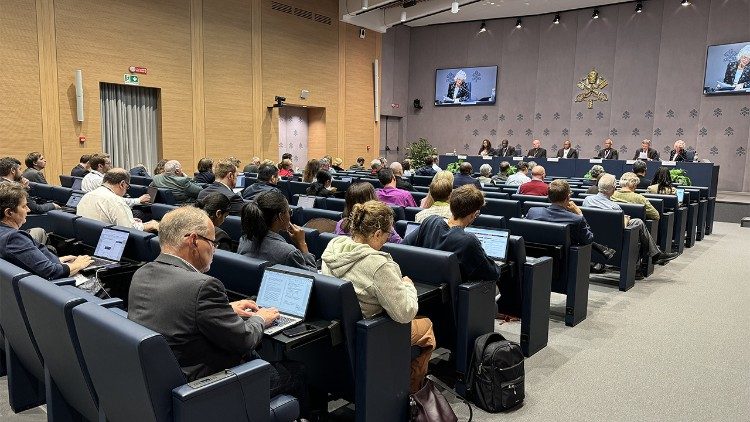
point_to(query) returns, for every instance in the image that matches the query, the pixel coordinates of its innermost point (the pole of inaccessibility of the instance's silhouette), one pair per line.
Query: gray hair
(606, 183)
(744, 52)
(596, 171)
(629, 179)
(681, 143)
(485, 170)
(397, 168)
(177, 223)
(172, 166)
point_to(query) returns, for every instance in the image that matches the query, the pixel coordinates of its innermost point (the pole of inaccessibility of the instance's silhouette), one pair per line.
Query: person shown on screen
(459, 90)
(738, 72)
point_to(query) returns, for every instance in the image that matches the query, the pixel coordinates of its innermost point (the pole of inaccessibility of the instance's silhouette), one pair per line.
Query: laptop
(306, 201)
(72, 203)
(410, 227)
(109, 249)
(240, 184)
(287, 292)
(152, 191)
(77, 184)
(494, 242)
(680, 195)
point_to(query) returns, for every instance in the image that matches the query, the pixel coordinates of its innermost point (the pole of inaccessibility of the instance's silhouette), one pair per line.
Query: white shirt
(738, 75)
(436, 167)
(517, 179)
(565, 153)
(104, 205)
(94, 179)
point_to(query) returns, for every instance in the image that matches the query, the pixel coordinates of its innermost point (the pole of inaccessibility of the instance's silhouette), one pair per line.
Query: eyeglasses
(213, 242)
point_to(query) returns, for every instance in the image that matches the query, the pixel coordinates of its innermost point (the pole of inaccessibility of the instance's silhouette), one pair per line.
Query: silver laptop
(411, 227)
(77, 184)
(109, 249)
(306, 201)
(287, 292)
(494, 242)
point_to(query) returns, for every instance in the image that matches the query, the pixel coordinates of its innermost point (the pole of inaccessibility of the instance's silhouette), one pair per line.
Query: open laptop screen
(111, 244)
(289, 293)
(306, 201)
(240, 180)
(680, 195)
(152, 190)
(494, 241)
(410, 227)
(77, 184)
(74, 199)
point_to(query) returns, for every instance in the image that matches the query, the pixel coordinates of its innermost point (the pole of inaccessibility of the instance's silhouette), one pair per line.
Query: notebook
(109, 249)
(410, 227)
(306, 201)
(287, 292)
(494, 242)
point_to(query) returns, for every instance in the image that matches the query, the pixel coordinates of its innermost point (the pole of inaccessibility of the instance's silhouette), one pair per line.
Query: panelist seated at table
(505, 150)
(567, 151)
(607, 153)
(486, 148)
(679, 153)
(536, 150)
(646, 152)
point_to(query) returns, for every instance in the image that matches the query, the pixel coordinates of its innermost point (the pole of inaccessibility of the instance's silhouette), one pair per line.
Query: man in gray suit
(183, 188)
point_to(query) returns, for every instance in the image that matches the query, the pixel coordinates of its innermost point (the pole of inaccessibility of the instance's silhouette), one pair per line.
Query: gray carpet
(673, 348)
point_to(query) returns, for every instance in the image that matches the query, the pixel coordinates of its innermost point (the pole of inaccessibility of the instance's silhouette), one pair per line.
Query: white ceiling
(424, 12)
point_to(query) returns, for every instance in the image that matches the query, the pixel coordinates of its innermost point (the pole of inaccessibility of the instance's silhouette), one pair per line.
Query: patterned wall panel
(293, 133)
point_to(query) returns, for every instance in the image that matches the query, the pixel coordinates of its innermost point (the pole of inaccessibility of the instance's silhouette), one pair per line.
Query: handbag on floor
(496, 376)
(429, 405)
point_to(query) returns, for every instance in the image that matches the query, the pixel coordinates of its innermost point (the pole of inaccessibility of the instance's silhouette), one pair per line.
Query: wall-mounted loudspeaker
(361, 32)
(417, 104)
(376, 88)
(79, 95)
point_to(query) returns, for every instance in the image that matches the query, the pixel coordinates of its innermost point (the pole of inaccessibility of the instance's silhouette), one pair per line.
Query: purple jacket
(394, 238)
(394, 196)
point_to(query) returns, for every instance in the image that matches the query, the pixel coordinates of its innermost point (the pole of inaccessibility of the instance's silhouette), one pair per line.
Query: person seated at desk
(464, 176)
(440, 192)
(398, 172)
(226, 180)
(268, 177)
(679, 153)
(377, 278)
(285, 168)
(595, 173)
(263, 220)
(389, 193)
(628, 183)
(567, 151)
(607, 153)
(519, 177)
(459, 90)
(662, 183)
(359, 165)
(216, 206)
(485, 175)
(10, 172)
(82, 168)
(336, 164)
(173, 179)
(536, 185)
(375, 166)
(205, 174)
(207, 333)
(406, 167)
(35, 163)
(252, 166)
(322, 185)
(536, 150)
(502, 175)
(311, 170)
(437, 233)
(428, 169)
(18, 246)
(646, 152)
(486, 148)
(640, 168)
(505, 150)
(359, 193)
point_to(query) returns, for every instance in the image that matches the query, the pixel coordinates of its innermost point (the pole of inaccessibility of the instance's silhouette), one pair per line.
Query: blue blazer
(580, 234)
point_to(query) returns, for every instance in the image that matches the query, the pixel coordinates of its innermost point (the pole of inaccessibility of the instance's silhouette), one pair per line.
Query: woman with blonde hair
(377, 279)
(429, 200)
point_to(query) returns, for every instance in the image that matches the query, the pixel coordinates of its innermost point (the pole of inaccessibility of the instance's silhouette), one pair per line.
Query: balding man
(536, 185)
(106, 203)
(398, 172)
(536, 150)
(567, 151)
(607, 153)
(183, 189)
(173, 297)
(646, 152)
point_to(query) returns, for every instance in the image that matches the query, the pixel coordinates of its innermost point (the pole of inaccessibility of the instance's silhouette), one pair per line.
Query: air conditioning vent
(326, 20)
(281, 7)
(306, 14)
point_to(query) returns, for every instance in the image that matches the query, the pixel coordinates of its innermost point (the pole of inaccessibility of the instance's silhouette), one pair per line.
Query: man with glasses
(226, 179)
(106, 203)
(100, 164)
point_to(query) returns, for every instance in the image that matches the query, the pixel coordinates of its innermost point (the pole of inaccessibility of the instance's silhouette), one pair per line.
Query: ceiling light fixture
(595, 15)
(639, 7)
(685, 3)
(518, 23)
(557, 19)
(454, 7)
(403, 16)
(483, 27)
(365, 4)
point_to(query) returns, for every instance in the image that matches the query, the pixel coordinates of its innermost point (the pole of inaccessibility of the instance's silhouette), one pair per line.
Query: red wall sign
(141, 70)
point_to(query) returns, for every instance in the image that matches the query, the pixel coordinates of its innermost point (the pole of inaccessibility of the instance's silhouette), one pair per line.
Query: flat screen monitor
(727, 69)
(462, 86)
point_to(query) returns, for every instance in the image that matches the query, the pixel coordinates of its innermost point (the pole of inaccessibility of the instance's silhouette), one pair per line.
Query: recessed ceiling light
(595, 15)
(685, 3)
(483, 27)
(454, 7)
(557, 19)
(518, 23)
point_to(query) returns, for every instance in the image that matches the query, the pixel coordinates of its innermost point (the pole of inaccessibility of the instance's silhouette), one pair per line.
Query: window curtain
(130, 125)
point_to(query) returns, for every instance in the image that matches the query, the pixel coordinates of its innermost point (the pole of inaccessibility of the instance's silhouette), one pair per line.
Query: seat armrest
(65, 282)
(284, 408)
(111, 303)
(536, 288)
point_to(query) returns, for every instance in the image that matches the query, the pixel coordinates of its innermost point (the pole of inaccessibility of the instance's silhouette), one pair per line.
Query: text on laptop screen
(74, 199)
(289, 293)
(410, 227)
(240, 181)
(111, 244)
(494, 242)
(306, 201)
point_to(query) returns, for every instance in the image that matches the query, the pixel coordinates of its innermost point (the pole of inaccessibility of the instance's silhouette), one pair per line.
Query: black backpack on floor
(496, 377)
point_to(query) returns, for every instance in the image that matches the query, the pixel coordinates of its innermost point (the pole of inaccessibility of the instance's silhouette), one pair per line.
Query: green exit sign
(130, 79)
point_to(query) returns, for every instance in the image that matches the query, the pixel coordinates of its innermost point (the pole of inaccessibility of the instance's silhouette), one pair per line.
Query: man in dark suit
(82, 168)
(679, 153)
(464, 176)
(173, 297)
(505, 150)
(35, 163)
(607, 153)
(639, 168)
(10, 171)
(650, 153)
(536, 150)
(226, 179)
(268, 177)
(567, 151)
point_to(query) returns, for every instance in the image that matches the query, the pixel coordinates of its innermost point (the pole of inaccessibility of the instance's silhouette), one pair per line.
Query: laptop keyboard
(281, 320)
(98, 262)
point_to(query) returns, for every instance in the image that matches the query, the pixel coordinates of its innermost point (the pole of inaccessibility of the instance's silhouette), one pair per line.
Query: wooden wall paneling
(361, 128)
(199, 100)
(48, 88)
(316, 134)
(258, 112)
(20, 108)
(341, 117)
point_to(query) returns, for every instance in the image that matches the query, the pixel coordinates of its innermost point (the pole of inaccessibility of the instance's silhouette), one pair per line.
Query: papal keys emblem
(591, 86)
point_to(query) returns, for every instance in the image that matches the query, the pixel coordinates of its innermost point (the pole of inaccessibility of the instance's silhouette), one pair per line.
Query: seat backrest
(323, 240)
(400, 227)
(238, 273)
(634, 210)
(310, 213)
(428, 266)
(298, 188)
(66, 181)
(139, 247)
(136, 191)
(61, 194)
(340, 185)
(524, 198)
(496, 195)
(40, 190)
(233, 226)
(165, 196)
(374, 182)
(139, 386)
(398, 212)
(140, 180)
(527, 205)
(542, 232)
(663, 202)
(421, 180)
(418, 196)
(410, 213)
(49, 310)
(493, 221)
(606, 225)
(88, 230)
(422, 188)
(159, 210)
(507, 208)
(335, 204)
(62, 223)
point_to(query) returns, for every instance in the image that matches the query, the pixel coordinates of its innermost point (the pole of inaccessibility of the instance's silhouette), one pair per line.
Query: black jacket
(732, 70)
(508, 151)
(537, 153)
(205, 177)
(608, 154)
(79, 171)
(318, 189)
(573, 153)
(401, 183)
(235, 200)
(425, 171)
(256, 189)
(652, 154)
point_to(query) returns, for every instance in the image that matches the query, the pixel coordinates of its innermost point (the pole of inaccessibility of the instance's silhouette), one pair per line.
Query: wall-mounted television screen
(465, 86)
(727, 69)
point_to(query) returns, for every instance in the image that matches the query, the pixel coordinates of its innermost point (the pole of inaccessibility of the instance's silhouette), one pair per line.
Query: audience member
(359, 165)
(216, 206)
(325, 165)
(98, 165)
(268, 177)
(322, 185)
(435, 163)
(383, 161)
(252, 166)
(226, 179)
(106, 203)
(10, 171)
(377, 279)
(678, 153)
(646, 152)
(336, 164)
(139, 170)
(427, 201)
(607, 153)
(437, 233)
(285, 168)
(536, 150)
(262, 222)
(519, 177)
(536, 185)
(595, 173)
(205, 172)
(648, 248)
(464, 176)
(440, 192)
(505, 150)
(502, 175)
(406, 165)
(639, 168)
(662, 183)
(428, 169)
(35, 163)
(375, 166)
(19, 247)
(82, 168)
(567, 151)
(159, 169)
(311, 170)
(173, 179)
(628, 183)
(359, 193)
(485, 175)
(389, 193)
(398, 172)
